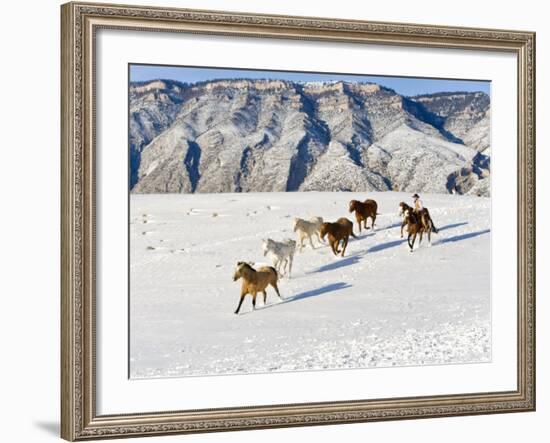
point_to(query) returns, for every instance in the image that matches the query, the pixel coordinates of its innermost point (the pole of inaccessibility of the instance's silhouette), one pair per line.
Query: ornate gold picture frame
(80, 23)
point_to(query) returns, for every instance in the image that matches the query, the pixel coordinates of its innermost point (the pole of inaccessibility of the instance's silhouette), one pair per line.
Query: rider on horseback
(422, 211)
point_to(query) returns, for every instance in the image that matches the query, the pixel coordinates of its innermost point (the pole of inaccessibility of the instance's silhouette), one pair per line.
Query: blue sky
(407, 86)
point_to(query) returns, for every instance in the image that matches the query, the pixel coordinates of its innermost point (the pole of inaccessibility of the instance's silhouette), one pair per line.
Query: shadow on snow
(387, 245)
(395, 243)
(318, 291)
(454, 225)
(464, 236)
(346, 261)
(303, 295)
(353, 259)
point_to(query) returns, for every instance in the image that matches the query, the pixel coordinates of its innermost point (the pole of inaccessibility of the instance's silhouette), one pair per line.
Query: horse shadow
(370, 232)
(464, 236)
(395, 243)
(347, 261)
(303, 295)
(387, 245)
(393, 225)
(352, 259)
(311, 293)
(362, 236)
(318, 291)
(451, 226)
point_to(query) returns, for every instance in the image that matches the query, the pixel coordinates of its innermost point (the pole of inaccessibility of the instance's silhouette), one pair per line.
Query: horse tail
(434, 229)
(275, 273)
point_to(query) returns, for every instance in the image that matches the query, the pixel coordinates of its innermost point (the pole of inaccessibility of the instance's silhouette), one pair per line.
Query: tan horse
(255, 281)
(364, 210)
(338, 231)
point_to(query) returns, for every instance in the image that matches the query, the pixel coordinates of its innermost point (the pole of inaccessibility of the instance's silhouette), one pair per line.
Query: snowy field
(378, 306)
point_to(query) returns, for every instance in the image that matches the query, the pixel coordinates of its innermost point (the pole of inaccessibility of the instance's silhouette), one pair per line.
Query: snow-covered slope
(465, 115)
(378, 306)
(273, 135)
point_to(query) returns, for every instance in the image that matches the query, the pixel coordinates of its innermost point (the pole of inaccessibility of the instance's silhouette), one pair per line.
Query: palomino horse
(255, 281)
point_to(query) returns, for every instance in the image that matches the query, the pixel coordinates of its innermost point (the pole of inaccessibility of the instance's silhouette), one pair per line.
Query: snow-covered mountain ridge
(243, 135)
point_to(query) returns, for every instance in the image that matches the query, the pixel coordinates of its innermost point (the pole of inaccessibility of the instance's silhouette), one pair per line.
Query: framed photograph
(277, 221)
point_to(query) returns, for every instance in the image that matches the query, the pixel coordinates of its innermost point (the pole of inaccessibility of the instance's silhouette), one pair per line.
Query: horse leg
(254, 300)
(240, 303)
(290, 259)
(358, 222)
(426, 220)
(301, 242)
(310, 242)
(274, 284)
(265, 295)
(411, 245)
(430, 237)
(345, 242)
(402, 226)
(336, 248)
(420, 239)
(433, 228)
(278, 266)
(318, 238)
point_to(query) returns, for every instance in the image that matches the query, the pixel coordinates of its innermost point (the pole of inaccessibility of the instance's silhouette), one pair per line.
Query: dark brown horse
(364, 210)
(338, 231)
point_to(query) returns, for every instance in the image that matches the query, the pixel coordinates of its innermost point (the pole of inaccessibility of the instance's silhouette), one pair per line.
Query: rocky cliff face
(272, 135)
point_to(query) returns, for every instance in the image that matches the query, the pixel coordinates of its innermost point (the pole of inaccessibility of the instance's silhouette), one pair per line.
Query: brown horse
(255, 281)
(338, 231)
(364, 210)
(416, 226)
(424, 217)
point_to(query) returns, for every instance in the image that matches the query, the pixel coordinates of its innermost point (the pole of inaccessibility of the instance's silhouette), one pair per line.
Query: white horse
(281, 253)
(307, 229)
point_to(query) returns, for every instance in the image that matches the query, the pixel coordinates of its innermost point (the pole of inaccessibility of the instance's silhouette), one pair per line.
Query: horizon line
(266, 79)
(404, 85)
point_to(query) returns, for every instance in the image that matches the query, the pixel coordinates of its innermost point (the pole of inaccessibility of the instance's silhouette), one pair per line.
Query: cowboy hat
(415, 196)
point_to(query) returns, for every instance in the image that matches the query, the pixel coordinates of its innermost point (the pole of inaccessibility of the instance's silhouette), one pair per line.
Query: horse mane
(245, 265)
